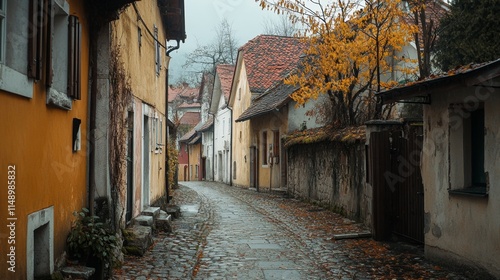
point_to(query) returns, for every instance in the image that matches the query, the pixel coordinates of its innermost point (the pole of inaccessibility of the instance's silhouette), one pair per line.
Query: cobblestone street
(231, 233)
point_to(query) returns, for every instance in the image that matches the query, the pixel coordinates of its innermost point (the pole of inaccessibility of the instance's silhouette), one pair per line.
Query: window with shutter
(13, 52)
(74, 58)
(157, 52)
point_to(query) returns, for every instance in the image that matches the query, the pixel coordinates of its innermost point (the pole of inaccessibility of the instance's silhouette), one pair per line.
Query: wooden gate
(394, 172)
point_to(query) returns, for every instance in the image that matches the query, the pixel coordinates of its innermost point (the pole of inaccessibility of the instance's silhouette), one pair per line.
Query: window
(276, 146)
(14, 24)
(196, 171)
(159, 134)
(234, 170)
(74, 58)
(157, 52)
(54, 51)
(77, 135)
(264, 148)
(139, 36)
(467, 128)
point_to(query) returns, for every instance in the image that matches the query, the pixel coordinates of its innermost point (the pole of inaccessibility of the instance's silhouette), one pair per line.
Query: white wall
(461, 228)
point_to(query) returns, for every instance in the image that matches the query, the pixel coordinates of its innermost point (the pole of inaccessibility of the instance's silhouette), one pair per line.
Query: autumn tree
(469, 33)
(222, 50)
(351, 49)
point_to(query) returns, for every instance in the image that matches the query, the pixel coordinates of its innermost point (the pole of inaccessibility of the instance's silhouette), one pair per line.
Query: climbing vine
(119, 101)
(173, 162)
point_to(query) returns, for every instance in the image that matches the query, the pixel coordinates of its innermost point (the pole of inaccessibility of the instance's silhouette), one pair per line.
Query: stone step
(163, 222)
(144, 220)
(78, 272)
(138, 239)
(151, 211)
(174, 210)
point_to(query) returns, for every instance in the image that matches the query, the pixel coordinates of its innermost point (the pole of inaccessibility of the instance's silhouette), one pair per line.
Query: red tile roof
(269, 59)
(183, 90)
(190, 118)
(226, 73)
(190, 105)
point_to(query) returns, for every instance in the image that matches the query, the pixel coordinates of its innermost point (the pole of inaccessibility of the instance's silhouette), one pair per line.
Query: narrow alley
(231, 233)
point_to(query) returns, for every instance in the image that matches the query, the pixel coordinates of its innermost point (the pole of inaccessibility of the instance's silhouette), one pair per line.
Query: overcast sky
(204, 16)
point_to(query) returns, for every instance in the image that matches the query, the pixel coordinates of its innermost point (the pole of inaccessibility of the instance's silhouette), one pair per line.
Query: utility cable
(147, 28)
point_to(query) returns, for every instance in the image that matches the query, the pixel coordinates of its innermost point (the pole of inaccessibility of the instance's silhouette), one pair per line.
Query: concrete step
(138, 239)
(163, 222)
(173, 210)
(151, 211)
(78, 272)
(144, 220)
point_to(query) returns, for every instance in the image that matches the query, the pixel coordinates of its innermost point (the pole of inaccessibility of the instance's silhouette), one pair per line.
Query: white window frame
(11, 80)
(157, 52)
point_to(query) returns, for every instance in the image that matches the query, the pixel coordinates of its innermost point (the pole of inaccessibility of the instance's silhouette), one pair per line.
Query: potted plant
(90, 240)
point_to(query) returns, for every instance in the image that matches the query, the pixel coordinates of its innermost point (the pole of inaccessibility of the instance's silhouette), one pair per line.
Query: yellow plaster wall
(37, 139)
(147, 86)
(194, 159)
(241, 139)
(270, 174)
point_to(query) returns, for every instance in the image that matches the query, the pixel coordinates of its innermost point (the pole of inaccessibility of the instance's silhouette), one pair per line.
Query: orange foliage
(352, 45)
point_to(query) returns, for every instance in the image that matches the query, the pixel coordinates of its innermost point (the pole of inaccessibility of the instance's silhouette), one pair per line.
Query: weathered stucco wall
(241, 130)
(331, 174)
(269, 175)
(138, 55)
(461, 228)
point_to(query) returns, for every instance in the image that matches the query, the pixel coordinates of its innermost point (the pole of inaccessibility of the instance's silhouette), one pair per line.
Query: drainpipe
(169, 50)
(213, 146)
(231, 149)
(94, 35)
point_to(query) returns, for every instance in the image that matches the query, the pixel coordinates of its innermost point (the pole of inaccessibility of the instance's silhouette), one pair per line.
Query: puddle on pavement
(190, 208)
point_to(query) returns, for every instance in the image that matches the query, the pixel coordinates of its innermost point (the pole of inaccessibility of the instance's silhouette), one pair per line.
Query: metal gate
(394, 172)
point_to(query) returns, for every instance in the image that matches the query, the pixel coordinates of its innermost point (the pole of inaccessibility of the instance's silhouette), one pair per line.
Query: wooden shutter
(41, 22)
(74, 58)
(35, 39)
(47, 30)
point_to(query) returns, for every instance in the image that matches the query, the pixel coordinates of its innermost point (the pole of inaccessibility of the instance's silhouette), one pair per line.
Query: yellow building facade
(140, 36)
(43, 147)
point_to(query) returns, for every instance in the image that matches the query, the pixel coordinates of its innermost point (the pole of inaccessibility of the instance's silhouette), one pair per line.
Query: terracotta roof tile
(190, 118)
(269, 59)
(272, 99)
(190, 105)
(183, 90)
(225, 73)
(207, 125)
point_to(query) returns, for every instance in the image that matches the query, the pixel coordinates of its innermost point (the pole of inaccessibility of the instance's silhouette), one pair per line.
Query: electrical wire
(147, 28)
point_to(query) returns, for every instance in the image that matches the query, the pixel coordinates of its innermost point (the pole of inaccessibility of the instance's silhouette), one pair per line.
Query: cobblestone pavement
(231, 233)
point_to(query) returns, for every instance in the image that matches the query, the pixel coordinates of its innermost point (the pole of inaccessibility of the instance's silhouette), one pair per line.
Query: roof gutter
(167, 184)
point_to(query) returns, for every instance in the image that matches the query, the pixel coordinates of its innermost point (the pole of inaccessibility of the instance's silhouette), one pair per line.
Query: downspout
(231, 149)
(94, 35)
(213, 146)
(167, 185)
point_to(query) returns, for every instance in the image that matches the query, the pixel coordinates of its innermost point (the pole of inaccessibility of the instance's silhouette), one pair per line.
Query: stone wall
(331, 174)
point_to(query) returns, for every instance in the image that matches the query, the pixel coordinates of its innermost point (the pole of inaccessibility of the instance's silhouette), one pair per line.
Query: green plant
(89, 237)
